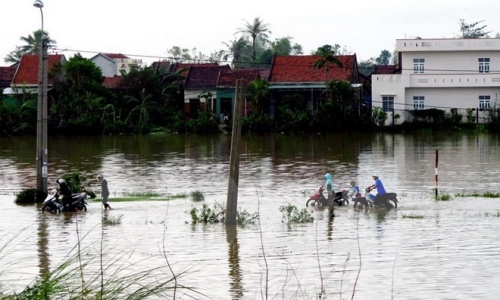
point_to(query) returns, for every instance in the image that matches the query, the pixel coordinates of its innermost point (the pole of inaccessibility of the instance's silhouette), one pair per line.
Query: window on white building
(418, 102)
(418, 65)
(484, 102)
(484, 65)
(387, 103)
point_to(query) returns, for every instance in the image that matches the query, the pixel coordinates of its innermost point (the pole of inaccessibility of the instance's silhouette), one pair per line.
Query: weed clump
(291, 214)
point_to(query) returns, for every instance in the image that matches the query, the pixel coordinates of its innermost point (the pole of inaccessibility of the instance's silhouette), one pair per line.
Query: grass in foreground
(476, 194)
(129, 197)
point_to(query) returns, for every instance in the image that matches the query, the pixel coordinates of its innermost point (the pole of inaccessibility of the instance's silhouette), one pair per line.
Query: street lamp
(41, 120)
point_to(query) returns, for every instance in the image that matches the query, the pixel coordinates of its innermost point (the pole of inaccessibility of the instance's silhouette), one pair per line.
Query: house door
(194, 106)
(226, 106)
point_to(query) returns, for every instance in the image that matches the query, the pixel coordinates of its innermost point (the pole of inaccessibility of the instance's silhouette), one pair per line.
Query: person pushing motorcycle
(63, 190)
(329, 186)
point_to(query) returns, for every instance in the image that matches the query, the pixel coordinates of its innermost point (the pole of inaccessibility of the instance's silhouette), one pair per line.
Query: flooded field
(426, 249)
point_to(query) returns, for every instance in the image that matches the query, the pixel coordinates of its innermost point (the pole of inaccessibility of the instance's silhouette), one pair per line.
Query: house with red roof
(226, 84)
(200, 91)
(113, 64)
(26, 74)
(296, 75)
(6, 76)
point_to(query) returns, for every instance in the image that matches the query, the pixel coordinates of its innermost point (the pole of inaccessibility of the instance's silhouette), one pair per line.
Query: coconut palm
(255, 30)
(327, 59)
(237, 48)
(144, 107)
(259, 93)
(32, 46)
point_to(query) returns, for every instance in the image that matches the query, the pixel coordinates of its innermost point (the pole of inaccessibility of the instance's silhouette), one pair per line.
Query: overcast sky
(148, 28)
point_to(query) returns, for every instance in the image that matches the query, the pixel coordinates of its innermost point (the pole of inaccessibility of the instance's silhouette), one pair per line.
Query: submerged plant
(112, 220)
(197, 196)
(443, 197)
(244, 217)
(207, 215)
(413, 216)
(476, 194)
(291, 214)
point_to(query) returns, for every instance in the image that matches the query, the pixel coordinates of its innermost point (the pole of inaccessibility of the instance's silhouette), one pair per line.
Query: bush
(29, 196)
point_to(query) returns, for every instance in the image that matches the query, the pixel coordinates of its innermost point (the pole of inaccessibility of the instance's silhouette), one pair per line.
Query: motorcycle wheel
(361, 204)
(312, 203)
(345, 201)
(83, 207)
(45, 208)
(392, 202)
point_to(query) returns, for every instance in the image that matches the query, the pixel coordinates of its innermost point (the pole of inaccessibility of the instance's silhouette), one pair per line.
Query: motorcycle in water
(387, 200)
(318, 200)
(53, 204)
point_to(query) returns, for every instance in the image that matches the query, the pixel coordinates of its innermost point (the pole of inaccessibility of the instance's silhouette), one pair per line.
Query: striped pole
(436, 172)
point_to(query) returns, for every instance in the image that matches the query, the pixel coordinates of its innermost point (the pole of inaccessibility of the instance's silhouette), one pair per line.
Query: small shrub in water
(112, 220)
(197, 196)
(291, 214)
(244, 217)
(207, 215)
(443, 197)
(30, 196)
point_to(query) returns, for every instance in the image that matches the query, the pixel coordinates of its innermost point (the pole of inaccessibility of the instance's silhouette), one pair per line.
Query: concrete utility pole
(234, 159)
(41, 125)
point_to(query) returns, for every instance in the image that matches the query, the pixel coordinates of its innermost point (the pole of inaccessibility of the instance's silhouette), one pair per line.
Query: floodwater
(424, 249)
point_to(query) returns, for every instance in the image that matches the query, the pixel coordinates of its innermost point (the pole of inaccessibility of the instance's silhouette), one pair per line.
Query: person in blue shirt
(354, 191)
(379, 186)
(329, 186)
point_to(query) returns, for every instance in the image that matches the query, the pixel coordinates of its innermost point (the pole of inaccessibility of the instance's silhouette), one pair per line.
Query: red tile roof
(385, 69)
(115, 55)
(227, 78)
(299, 68)
(203, 77)
(27, 72)
(179, 66)
(161, 66)
(111, 82)
(6, 75)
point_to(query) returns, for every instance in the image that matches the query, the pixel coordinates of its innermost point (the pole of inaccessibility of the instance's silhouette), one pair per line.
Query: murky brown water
(449, 252)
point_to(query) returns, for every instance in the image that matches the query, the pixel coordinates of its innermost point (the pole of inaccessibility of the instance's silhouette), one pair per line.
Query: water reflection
(404, 251)
(235, 275)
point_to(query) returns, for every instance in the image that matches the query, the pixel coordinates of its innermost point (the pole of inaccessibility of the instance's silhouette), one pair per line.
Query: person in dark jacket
(63, 190)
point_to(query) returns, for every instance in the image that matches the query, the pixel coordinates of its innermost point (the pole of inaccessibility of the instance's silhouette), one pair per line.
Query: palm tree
(237, 49)
(259, 93)
(327, 53)
(254, 30)
(32, 46)
(144, 107)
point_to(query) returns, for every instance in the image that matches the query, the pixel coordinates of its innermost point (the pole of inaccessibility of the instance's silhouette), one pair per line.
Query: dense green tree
(283, 46)
(79, 93)
(31, 46)
(256, 29)
(384, 58)
(472, 31)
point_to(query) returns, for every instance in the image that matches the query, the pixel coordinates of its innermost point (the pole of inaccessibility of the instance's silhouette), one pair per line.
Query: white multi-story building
(112, 64)
(446, 74)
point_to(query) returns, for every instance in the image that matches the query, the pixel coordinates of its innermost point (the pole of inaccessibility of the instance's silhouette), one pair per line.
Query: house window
(418, 102)
(418, 65)
(484, 102)
(484, 65)
(388, 103)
